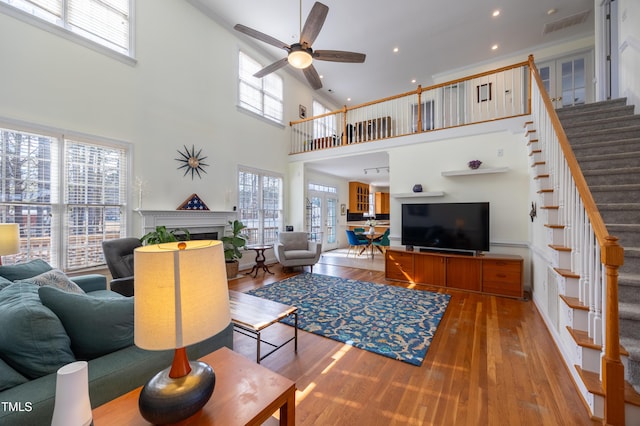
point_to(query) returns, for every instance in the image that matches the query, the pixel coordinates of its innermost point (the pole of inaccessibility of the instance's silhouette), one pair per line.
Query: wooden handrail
(611, 255)
(417, 91)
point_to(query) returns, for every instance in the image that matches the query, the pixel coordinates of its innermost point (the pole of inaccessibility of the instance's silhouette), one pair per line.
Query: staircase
(605, 138)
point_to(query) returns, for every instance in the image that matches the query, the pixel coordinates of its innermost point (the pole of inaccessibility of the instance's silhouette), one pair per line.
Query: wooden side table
(245, 394)
(259, 259)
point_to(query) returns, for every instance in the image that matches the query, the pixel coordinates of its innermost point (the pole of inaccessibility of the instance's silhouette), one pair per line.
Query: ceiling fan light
(300, 59)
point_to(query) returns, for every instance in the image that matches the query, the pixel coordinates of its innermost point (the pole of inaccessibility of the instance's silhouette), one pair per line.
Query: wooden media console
(488, 273)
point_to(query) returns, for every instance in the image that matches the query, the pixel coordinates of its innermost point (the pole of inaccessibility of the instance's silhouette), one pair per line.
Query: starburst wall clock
(192, 161)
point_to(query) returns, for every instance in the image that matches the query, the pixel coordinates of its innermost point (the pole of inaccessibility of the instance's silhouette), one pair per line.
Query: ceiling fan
(301, 55)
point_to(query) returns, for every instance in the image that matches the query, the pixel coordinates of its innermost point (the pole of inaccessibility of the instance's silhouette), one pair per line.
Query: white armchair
(294, 249)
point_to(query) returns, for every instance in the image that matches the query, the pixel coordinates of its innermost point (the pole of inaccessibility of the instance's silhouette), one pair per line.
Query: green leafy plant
(234, 242)
(162, 235)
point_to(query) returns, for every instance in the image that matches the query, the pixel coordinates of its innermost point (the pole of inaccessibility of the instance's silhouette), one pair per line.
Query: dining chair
(355, 242)
(383, 242)
(359, 234)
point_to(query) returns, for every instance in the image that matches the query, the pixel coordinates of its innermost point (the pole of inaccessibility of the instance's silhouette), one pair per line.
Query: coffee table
(245, 394)
(250, 315)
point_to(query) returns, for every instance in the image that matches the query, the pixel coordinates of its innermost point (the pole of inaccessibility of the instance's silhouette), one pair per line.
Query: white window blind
(263, 96)
(260, 205)
(94, 197)
(106, 22)
(63, 217)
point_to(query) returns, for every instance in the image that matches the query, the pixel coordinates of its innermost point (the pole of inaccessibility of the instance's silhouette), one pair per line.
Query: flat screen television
(446, 226)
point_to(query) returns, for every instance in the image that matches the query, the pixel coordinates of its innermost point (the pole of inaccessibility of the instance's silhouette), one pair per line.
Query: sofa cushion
(4, 282)
(294, 240)
(10, 377)
(24, 270)
(96, 325)
(32, 338)
(55, 278)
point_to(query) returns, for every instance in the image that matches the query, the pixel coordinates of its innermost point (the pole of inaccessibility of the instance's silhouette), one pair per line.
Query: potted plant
(162, 235)
(232, 245)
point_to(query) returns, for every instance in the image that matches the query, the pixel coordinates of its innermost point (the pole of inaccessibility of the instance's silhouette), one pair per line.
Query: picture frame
(343, 209)
(302, 111)
(484, 92)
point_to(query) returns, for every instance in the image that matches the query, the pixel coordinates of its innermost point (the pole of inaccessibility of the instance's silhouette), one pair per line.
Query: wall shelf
(475, 172)
(419, 194)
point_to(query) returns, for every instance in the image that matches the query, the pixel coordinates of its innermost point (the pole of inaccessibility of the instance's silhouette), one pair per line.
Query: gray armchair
(118, 254)
(294, 249)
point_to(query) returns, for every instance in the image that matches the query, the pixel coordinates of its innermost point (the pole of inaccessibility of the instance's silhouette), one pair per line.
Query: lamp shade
(9, 238)
(181, 294)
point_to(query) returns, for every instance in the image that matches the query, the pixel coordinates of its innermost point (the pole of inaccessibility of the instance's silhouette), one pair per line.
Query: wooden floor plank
(491, 362)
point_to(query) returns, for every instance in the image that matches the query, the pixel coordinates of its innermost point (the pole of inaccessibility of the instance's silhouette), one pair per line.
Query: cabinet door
(399, 265)
(502, 277)
(464, 273)
(429, 269)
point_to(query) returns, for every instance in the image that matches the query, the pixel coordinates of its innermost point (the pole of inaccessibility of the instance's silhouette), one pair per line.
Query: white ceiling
(433, 37)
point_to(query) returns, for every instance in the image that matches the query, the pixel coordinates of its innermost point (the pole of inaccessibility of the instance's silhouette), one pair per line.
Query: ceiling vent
(569, 21)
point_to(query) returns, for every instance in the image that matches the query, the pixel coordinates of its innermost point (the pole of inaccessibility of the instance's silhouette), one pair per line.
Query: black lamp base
(165, 400)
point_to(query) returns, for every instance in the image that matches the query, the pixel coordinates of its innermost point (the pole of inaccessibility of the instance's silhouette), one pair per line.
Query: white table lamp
(181, 298)
(9, 239)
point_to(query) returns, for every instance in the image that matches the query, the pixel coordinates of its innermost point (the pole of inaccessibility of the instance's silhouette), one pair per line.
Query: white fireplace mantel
(193, 220)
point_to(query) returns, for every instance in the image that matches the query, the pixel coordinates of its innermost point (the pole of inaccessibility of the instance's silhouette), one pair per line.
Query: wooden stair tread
(550, 207)
(547, 225)
(594, 386)
(559, 248)
(574, 303)
(532, 141)
(535, 151)
(582, 339)
(526, 123)
(538, 163)
(567, 273)
(542, 176)
(541, 191)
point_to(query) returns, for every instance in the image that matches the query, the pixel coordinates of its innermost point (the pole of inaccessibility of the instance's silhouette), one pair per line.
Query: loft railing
(497, 94)
(596, 256)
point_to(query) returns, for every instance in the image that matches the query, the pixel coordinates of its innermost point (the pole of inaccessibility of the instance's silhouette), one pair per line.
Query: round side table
(259, 249)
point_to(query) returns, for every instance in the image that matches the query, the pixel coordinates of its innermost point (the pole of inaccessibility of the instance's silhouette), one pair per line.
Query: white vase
(372, 230)
(72, 406)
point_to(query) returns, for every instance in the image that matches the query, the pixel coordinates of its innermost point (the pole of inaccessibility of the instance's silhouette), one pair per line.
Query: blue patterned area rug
(396, 322)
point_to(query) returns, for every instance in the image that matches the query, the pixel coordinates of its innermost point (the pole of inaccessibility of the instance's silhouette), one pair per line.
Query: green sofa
(46, 325)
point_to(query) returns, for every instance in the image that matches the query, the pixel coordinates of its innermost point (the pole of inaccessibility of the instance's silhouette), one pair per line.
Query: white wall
(182, 91)
(629, 51)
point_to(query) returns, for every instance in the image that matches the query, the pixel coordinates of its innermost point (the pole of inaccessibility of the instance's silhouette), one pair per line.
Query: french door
(323, 218)
(568, 80)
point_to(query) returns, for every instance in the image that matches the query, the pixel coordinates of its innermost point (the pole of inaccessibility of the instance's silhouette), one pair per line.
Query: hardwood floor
(492, 362)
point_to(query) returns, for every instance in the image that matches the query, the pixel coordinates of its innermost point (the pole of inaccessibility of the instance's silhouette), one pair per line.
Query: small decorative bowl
(474, 164)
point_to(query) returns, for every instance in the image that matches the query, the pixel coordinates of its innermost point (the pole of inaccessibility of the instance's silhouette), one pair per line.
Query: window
(67, 195)
(260, 204)
(105, 22)
(323, 127)
(262, 96)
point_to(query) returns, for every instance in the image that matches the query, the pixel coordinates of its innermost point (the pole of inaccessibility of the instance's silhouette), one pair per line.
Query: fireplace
(202, 224)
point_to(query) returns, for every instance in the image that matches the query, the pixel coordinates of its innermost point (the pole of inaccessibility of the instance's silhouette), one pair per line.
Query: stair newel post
(612, 367)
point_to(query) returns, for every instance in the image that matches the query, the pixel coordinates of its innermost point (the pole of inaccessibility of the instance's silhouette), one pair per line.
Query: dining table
(371, 237)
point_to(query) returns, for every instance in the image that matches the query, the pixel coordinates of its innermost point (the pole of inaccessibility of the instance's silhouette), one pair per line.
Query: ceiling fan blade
(312, 77)
(271, 68)
(314, 23)
(261, 36)
(339, 56)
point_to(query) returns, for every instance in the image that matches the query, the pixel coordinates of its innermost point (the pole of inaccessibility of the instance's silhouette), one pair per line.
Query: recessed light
(395, 50)
(321, 76)
(551, 11)
(494, 47)
(413, 80)
(496, 13)
(348, 99)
